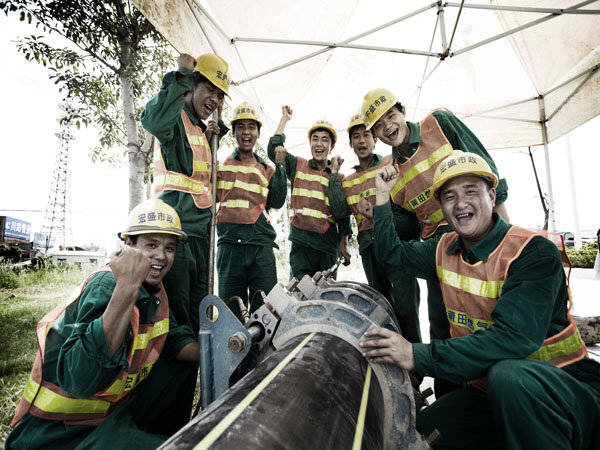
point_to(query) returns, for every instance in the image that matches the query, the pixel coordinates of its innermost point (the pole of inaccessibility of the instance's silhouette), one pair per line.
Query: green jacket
(76, 357)
(327, 242)
(261, 232)
(532, 307)
(162, 118)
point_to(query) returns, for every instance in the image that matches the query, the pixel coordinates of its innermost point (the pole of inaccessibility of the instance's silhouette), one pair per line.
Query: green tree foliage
(585, 256)
(114, 56)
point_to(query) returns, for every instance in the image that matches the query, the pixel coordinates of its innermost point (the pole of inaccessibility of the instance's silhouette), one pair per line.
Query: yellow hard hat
(215, 69)
(461, 163)
(323, 123)
(245, 111)
(153, 216)
(375, 104)
(356, 119)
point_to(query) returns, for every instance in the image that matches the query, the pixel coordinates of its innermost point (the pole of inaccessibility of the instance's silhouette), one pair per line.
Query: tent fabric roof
(524, 70)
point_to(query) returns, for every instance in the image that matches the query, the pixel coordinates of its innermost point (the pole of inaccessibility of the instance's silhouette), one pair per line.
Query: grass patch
(20, 309)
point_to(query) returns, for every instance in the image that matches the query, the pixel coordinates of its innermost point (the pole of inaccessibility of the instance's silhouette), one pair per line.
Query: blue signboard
(16, 228)
(39, 241)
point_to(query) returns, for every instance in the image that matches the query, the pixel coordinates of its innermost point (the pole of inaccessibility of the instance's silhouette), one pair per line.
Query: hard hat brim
(490, 177)
(140, 229)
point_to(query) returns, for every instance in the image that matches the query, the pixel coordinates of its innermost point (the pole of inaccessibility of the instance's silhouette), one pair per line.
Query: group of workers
(116, 365)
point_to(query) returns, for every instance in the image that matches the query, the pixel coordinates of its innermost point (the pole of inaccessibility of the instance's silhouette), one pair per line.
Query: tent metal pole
(211, 19)
(332, 45)
(591, 69)
(420, 86)
(517, 29)
(571, 95)
(496, 108)
(577, 231)
(511, 119)
(346, 41)
(527, 8)
(552, 222)
(455, 26)
(196, 16)
(440, 14)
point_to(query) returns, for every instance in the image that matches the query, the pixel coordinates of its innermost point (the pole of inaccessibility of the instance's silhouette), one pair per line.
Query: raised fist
(187, 61)
(280, 153)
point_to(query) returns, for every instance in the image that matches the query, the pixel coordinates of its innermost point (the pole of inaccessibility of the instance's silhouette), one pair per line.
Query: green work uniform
(400, 289)
(245, 258)
(76, 359)
(529, 404)
(310, 252)
(461, 138)
(187, 281)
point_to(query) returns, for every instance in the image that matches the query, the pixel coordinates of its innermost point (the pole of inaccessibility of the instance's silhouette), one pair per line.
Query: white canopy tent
(519, 74)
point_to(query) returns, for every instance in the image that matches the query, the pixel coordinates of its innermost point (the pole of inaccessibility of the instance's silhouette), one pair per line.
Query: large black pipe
(313, 402)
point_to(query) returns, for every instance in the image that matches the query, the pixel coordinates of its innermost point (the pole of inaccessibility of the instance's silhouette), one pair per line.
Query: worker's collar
(148, 290)
(312, 163)
(481, 251)
(375, 161)
(235, 155)
(193, 118)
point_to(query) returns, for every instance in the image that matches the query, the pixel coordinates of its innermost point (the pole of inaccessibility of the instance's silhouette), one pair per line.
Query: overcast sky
(99, 194)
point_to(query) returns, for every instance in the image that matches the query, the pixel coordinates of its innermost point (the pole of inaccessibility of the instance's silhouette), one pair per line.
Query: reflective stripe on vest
(412, 191)
(48, 401)
(361, 185)
(309, 202)
(242, 189)
(198, 185)
(471, 291)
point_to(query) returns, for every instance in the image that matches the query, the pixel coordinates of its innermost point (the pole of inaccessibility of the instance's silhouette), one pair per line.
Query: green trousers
(308, 261)
(529, 405)
(401, 290)
(187, 281)
(243, 271)
(158, 408)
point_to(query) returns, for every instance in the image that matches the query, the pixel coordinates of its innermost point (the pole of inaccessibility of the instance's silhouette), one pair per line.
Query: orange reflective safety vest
(413, 188)
(361, 185)
(310, 204)
(470, 293)
(242, 189)
(198, 185)
(48, 401)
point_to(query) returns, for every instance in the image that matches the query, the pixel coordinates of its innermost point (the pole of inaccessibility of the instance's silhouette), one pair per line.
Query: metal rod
(537, 182)
(574, 196)
(542, 108)
(214, 148)
(455, 25)
(332, 45)
(211, 19)
(502, 106)
(524, 8)
(440, 14)
(571, 95)
(420, 86)
(346, 41)
(512, 119)
(591, 69)
(206, 369)
(196, 16)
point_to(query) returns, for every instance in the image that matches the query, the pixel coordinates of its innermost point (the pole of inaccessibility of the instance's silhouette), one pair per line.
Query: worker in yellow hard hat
(515, 350)
(178, 117)
(356, 195)
(113, 366)
(417, 149)
(247, 189)
(317, 239)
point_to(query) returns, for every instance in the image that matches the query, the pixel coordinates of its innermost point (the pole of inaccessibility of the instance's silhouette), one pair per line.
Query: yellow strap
(489, 289)
(461, 319)
(362, 412)
(353, 199)
(181, 182)
(359, 180)
(312, 177)
(256, 188)
(50, 402)
(132, 380)
(301, 192)
(421, 167)
(196, 139)
(436, 217)
(142, 339)
(244, 169)
(218, 430)
(202, 166)
(237, 204)
(310, 212)
(563, 347)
